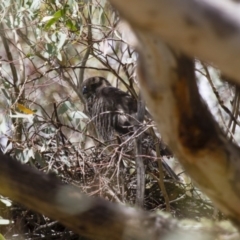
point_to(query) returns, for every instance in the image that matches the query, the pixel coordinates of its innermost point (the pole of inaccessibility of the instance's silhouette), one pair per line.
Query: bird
(114, 112)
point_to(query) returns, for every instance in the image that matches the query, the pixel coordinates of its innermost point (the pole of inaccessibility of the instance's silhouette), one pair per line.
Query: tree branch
(139, 160)
(207, 29)
(185, 123)
(93, 217)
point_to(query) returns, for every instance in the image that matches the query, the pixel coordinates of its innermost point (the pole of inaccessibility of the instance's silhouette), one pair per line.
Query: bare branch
(139, 160)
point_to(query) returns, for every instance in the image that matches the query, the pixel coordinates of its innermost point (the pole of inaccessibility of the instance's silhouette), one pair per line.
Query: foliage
(48, 48)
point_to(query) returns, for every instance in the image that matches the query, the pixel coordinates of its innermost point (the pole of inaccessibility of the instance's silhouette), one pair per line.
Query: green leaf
(29, 55)
(71, 26)
(1, 237)
(58, 14)
(50, 23)
(50, 49)
(63, 108)
(70, 104)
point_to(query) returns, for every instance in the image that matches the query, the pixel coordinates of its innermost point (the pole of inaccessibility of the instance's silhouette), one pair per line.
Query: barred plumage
(110, 108)
(113, 112)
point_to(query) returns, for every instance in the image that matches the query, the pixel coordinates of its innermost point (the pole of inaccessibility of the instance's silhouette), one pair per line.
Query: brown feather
(113, 111)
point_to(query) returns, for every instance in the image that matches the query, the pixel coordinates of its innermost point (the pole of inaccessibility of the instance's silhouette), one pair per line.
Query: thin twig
(139, 160)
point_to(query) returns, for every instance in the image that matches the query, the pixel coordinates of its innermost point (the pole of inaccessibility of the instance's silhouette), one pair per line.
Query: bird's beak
(84, 90)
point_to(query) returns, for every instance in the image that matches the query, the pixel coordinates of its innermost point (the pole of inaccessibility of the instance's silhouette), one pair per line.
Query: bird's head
(92, 85)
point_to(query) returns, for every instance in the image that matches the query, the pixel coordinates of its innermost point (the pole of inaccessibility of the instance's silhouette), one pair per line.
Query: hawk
(113, 112)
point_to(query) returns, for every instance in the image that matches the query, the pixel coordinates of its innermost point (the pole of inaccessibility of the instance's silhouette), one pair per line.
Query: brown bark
(187, 126)
(94, 217)
(208, 29)
(199, 28)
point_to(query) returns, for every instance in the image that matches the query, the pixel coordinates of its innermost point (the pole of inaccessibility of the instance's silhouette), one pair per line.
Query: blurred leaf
(47, 18)
(69, 104)
(5, 93)
(50, 23)
(59, 14)
(78, 114)
(77, 117)
(24, 109)
(1, 237)
(25, 155)
(50, 49)
(3, 222)
(44, 147)
(7, 202)
(54, 37)
(59, 56)
(101, 16)
(39, 159)
(35, 5)
(71, 26)
(63, 108)
(62, 37)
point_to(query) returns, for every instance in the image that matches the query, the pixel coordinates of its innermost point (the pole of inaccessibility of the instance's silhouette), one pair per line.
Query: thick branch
(208, 29)
(169, 85)
(92, 217)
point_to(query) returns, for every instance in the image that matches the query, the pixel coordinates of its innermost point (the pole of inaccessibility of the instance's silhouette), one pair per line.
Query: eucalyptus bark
(208, 29)
(94, 217)
(211, 31)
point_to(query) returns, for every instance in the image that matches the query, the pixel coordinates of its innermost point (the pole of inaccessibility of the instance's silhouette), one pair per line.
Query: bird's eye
(84, 90)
